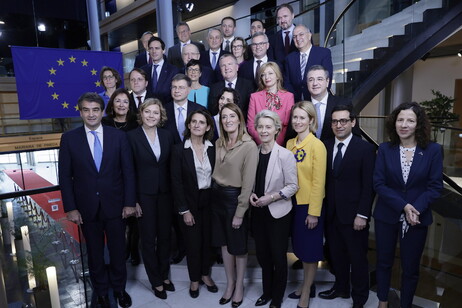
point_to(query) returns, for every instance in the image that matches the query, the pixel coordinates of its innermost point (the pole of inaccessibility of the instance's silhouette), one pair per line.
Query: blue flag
(50, 81)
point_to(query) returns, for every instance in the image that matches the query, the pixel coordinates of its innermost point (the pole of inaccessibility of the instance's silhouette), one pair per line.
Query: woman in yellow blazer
(308, 224)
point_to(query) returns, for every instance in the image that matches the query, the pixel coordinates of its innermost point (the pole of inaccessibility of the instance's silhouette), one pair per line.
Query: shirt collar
(99, 129)
(322, 101)
(188, 144)
(185, 106)
(345, 142)
(263, 60)
(233, 81)
(161, 62)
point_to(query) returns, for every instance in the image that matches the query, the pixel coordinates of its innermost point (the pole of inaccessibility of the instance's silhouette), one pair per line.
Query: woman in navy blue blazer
(408, 177)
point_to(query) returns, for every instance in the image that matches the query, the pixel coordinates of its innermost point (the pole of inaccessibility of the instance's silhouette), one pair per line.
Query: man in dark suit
(98, 190)
(297, 63)
(249, 69)
(191, 52)
(138, 84)
(184, 36)
(349, 197)
(143, 58)
(229, 69)
(282, 43)
(227, 26)
(160, 73)
(179, 108)
(210, 57)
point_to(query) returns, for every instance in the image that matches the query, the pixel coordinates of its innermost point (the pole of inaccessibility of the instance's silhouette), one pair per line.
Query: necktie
(154, 78)
(181, 126)
(257, 77)
(214, 60)
(287, 42)
(230, 85)
(139, 100)
(337, 159)
(227, 45)
(97, 150)
(303, 65)
(318, 114)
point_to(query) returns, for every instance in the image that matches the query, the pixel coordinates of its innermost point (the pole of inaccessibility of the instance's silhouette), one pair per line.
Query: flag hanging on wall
(49, 80)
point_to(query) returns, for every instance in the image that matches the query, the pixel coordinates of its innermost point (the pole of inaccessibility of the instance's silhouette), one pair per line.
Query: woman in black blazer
(151, 146)
(192, 165)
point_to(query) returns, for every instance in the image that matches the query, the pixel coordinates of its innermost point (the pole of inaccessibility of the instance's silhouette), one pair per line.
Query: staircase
(366, 62)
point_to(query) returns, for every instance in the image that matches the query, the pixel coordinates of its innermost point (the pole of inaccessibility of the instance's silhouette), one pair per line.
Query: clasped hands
(412, 215)
(260, 202)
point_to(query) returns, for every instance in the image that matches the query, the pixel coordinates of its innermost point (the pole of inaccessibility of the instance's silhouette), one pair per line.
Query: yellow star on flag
(93, 72)
(84, 62)
(65, 105)
(60, 62)
(76, 107)
(72, 59)
(50, 84)
(52, 71)
(55, 96)
(98, 83)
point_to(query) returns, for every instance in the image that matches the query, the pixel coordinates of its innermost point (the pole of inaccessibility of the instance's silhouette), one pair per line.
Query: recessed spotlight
(460, 53)
(41, 27)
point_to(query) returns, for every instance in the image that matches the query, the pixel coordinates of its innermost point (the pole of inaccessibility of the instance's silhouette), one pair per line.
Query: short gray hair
(265, 113)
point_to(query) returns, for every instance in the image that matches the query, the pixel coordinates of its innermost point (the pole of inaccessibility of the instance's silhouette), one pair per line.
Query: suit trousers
(271, 242)
(411, 249)
(198, 238)
(155, 228)
(348, 247)
(115, 273)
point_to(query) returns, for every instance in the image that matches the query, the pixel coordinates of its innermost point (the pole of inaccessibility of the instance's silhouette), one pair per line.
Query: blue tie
(97, 150)
(318, 113)
(154, 78)
(181, 126)
(338, 159)
(214, 60)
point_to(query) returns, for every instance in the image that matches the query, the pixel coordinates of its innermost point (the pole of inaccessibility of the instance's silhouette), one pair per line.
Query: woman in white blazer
(275, 184)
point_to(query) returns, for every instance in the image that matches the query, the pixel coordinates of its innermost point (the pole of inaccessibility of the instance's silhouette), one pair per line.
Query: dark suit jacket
(152, 175)
(293, 81)
(243, 86)
(207, 76)
(350, 192)
(184, 177)
(423, 185)
(85, 189)
(205, 61)
(164, 81)
(132, 106)
(141, 59)
(174, 53)
(277, 47)
(246, 71)
(170, 125)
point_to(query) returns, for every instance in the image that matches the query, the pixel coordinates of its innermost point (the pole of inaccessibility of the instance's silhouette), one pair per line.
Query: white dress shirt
(231, 39)
(291, 32)
(232, 81)
(263, 61)
(211, 55)
(159, 68)
(155, 146)
(142, 95)
(322, 107)
(184, 111)
(204, 168)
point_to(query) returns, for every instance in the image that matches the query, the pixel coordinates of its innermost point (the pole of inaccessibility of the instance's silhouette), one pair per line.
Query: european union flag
(50, 81)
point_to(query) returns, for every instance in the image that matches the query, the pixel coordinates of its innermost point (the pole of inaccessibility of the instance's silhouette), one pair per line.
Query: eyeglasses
(341, 121)
(193, 70)
(108, 77)
(258, 44)
(238, 46)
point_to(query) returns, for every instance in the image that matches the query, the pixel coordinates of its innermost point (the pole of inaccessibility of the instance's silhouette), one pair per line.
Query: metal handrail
(334, 25)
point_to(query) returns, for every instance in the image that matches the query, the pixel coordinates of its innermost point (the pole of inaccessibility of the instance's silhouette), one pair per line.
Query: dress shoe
(294, 295)
(357, 305)
(332, 293)
(194, 293)
(212, 289)
(103, 301)
(297, 265)
(123, 298)
(236, 304)
(224, 301)
(178, 257)
(160, 294)
(169, 286)
(262, 301)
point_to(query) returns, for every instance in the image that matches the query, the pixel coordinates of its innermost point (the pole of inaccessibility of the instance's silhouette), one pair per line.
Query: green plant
(439, 111)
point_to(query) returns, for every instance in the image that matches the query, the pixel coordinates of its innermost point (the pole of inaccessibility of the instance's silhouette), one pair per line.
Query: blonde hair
(265, 113)
(224, 138)
(277, 71)
(149, 102)
(308, 107)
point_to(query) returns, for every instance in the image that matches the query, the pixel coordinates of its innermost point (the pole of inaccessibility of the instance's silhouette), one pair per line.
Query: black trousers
(198, 238)
(155, 228)
(105, 276)
(271, 240)
(348, 248)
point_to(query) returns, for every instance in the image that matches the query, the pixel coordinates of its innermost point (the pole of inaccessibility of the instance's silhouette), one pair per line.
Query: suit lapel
(189, 156)
(419, 156)
(145, 142)
(330, 150)
(272, 162)
(395, 160)
(87, 152)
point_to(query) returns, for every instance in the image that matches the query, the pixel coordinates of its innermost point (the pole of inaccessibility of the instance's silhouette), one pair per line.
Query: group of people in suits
(276, 155)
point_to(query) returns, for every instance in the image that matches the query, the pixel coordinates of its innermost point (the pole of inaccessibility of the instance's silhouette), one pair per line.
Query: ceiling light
(41, 27)
(460, 53)
(2, 22)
